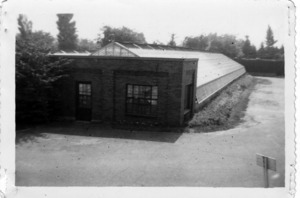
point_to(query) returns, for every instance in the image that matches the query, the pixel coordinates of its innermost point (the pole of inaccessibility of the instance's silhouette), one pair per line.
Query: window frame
(78, 95)
(137, 101)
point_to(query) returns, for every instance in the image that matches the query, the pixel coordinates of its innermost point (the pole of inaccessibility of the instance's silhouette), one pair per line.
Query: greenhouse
(214, 71)
(145, 84)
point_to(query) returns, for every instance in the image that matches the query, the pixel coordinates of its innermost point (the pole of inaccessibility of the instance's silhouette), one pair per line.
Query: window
(141, 100)
(84, 95)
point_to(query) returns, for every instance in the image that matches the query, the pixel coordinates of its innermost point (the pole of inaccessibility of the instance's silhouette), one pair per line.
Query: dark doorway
(83, 101)
(188, 97)
(188, 101)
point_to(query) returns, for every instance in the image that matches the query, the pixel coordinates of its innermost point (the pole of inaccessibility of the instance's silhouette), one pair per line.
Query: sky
(158, 19)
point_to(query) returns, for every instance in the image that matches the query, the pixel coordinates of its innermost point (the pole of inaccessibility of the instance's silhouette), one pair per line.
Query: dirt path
(219, 159)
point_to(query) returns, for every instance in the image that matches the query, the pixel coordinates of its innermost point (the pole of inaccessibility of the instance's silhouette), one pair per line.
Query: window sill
(141, 116)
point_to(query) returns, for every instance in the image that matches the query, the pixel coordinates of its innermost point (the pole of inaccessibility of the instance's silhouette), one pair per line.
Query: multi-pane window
(84, 95)
(141, 100)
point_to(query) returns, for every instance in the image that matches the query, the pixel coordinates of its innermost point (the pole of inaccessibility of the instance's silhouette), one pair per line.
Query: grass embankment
(226, 109)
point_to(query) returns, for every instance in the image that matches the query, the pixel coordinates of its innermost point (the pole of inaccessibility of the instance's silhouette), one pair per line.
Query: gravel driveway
(60, 156)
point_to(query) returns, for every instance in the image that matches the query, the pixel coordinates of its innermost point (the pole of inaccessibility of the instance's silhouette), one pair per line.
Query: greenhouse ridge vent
(142, 83)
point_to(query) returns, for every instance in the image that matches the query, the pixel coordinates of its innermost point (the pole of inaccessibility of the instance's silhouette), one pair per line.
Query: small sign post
(266, 163)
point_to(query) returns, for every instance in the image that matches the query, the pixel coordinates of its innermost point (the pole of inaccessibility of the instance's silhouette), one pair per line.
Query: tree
(248, 49)
(281, 52)
(87, 45)
(270, 38)
(44, 40)
(157, 42)
(270, 51)
(123, 34)
(172, 41)
(67, 37)
(261, 51)
(199, 42)
(36, 77)
(226, 44)
(25, 26)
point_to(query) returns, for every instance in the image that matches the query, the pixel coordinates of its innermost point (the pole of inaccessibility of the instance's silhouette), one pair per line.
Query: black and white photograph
(146, 93)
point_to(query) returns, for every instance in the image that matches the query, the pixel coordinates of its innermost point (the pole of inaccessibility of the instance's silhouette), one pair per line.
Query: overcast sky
(158, 19)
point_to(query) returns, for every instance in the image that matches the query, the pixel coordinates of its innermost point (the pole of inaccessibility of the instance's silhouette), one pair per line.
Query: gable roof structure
(214, 70)
(115, 49)
(211, 66)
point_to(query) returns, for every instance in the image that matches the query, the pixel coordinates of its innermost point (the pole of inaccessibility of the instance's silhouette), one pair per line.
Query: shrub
(36, 76)
(220, 111)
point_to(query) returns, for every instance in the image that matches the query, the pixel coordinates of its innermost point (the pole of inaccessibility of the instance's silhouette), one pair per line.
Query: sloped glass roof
(114, 49)
(70, 53)
(210, 65)
(214, 70)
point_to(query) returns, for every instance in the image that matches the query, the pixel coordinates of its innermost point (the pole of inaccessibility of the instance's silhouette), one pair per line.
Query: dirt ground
(61, 156)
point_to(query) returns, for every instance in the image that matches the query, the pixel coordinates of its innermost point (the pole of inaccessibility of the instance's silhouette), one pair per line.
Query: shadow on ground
(95, 130)
(263, 81)
(272, 75)
(29, 135)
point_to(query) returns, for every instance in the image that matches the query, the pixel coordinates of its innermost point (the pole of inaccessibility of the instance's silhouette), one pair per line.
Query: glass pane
(154, 102)
(117, 50)
(100, 52)
(80, 88)
(141, 91)
(154, 92)
(88, 89)
(135, 91)
(129, 90)
(148, 92)
(139, 100)
(123, 52)
(109, 51)
(85, 89)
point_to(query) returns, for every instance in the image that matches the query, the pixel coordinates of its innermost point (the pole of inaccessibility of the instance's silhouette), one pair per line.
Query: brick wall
(68, 92)
(109, 78)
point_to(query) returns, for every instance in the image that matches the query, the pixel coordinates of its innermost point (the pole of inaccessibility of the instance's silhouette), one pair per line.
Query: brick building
(142, 83)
